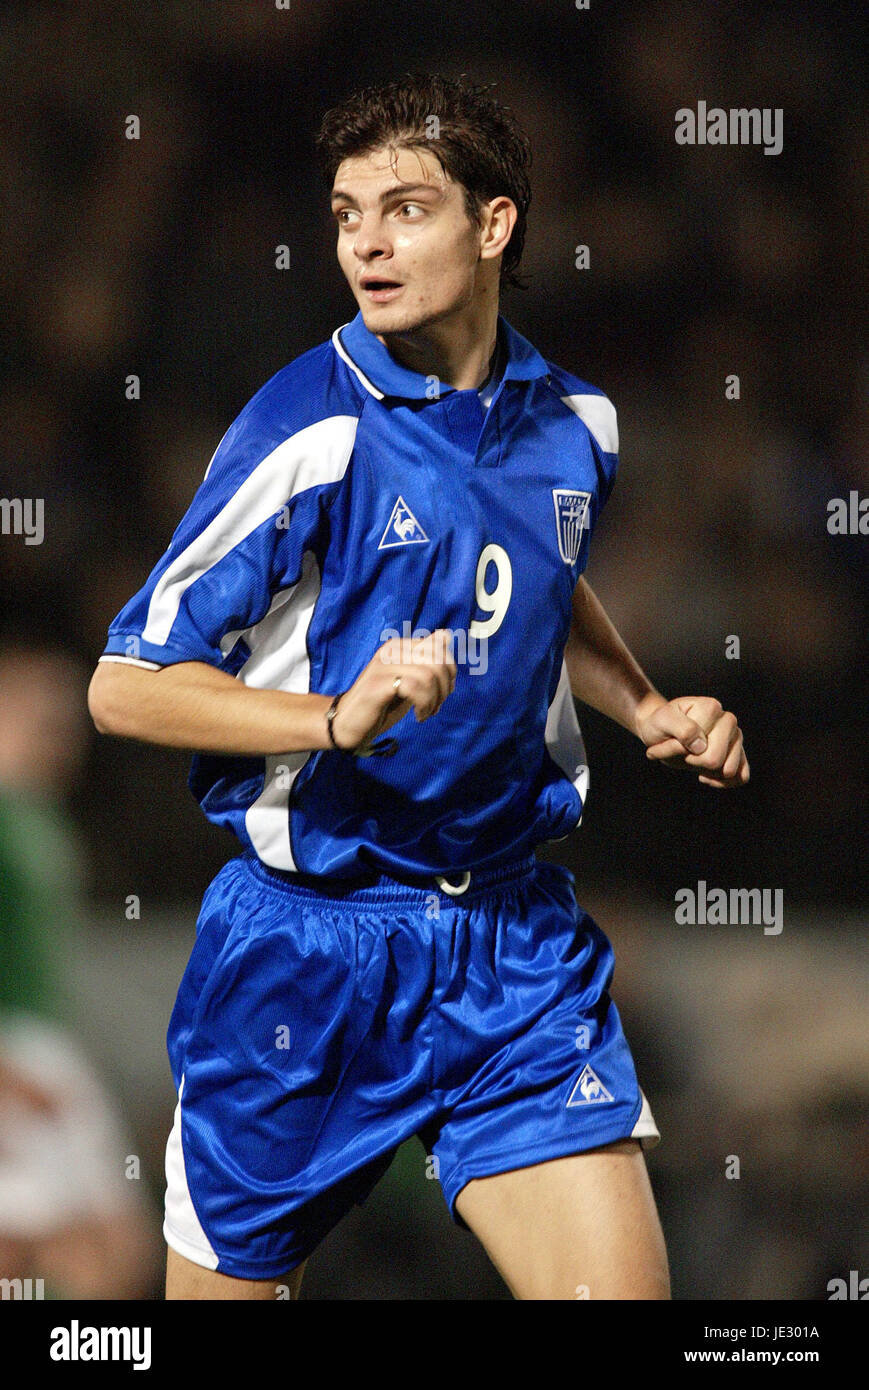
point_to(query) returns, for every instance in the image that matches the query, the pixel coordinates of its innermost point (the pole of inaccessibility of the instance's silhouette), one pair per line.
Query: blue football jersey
(354, 500)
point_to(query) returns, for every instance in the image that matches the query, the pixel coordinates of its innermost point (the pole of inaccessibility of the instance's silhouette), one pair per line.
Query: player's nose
(371, 240)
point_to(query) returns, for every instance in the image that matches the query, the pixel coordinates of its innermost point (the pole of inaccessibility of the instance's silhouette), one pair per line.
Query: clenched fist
(694, 732)
(401, 674)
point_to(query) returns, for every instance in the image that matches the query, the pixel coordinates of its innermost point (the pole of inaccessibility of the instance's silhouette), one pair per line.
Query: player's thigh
(579, 1227)
(186, 1280)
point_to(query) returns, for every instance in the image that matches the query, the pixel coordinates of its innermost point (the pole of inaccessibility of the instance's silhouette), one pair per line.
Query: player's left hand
(694, 732)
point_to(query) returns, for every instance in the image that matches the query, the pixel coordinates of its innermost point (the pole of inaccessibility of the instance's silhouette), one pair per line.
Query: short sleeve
(599, 417)
(260, 507)
(601, 441)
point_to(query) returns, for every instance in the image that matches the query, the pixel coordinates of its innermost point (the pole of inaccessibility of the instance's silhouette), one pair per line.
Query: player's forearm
(197, 707)
(602, 671)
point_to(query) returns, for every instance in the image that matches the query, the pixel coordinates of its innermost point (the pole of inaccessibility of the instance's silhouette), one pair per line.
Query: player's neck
(458, 350)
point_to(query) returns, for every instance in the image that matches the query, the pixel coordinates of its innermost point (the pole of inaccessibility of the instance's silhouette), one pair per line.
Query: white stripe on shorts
(645, 1129)
(182, 1230)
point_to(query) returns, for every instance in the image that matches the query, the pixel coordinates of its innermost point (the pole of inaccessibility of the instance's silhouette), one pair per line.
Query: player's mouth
(380, 289)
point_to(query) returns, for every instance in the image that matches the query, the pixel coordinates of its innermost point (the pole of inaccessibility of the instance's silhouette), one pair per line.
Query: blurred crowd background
(155, 258)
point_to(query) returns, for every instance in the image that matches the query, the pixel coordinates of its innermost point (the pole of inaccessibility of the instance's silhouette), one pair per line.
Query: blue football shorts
(315, 1031)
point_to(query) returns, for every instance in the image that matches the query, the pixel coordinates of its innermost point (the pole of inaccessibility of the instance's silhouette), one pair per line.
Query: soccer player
(369, 627)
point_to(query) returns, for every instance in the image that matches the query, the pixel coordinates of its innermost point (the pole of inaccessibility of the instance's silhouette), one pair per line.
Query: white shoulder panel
(599, 413)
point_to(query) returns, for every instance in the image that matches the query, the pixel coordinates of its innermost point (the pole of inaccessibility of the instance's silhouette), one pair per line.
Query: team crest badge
(589, 1090)
(571, 510)
(402, 528)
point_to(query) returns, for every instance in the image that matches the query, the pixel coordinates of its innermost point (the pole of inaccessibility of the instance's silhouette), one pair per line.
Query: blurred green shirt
(40, 888)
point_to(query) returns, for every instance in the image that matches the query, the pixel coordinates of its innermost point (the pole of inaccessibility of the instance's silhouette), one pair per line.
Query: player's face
(405, 241)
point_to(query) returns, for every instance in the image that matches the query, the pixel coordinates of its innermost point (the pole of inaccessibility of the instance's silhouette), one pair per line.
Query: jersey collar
(383, 376)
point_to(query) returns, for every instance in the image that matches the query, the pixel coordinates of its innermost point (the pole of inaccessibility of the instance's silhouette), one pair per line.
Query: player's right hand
(425, 674)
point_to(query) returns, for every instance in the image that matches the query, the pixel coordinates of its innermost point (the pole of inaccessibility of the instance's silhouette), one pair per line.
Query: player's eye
(417, 207)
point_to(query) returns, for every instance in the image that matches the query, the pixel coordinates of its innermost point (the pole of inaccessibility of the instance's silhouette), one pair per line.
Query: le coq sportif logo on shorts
(588, 1090)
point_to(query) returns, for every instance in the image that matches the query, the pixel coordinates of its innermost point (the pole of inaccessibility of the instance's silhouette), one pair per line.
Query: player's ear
(498, 218)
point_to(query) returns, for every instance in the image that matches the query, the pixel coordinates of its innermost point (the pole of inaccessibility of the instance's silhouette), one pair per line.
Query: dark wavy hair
(478, 142)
